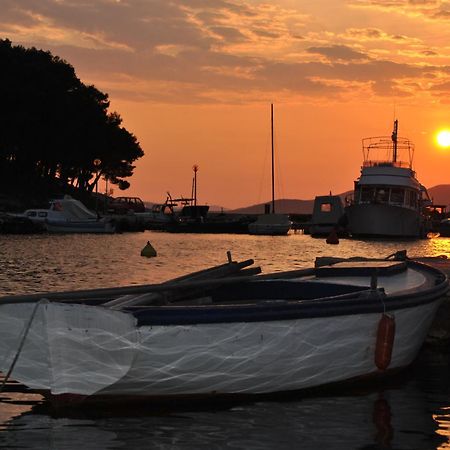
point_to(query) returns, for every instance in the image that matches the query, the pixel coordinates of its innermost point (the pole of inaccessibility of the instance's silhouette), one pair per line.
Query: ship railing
(386, 163)
(387, 146)
(386, 143)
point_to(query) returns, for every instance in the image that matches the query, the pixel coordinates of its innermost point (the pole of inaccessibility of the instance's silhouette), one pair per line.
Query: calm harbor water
(410, 411)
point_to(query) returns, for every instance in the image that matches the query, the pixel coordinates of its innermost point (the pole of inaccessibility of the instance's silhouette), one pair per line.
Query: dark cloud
(388, 88)
(433, 9)
(373, 33)
(443, 87)
(265, 33)
(229, 33)
(135, 23)
(187, 46)
(429, 53)
(338, 52)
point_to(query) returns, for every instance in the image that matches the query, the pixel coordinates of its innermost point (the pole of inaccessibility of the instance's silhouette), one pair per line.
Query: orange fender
(385, 341)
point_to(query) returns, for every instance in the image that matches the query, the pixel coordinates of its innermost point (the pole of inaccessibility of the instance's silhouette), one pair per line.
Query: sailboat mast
(273, 163)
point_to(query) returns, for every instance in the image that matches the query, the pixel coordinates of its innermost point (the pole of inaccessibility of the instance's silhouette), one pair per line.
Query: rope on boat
(22, 342)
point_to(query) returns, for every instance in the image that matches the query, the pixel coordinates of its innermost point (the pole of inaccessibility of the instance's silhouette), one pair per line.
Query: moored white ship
(388, 199)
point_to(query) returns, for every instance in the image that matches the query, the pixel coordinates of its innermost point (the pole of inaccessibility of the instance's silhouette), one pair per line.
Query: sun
(443, 138)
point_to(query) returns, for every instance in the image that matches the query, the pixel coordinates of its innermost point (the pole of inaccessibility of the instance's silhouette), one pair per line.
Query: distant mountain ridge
(440, 195)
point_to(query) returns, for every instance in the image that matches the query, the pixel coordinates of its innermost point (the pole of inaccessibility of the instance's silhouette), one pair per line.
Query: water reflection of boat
(239, 335)
(388, 200)
(399, 417)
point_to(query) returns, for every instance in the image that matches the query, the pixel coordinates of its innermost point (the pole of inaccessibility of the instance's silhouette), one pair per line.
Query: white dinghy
(224, 334)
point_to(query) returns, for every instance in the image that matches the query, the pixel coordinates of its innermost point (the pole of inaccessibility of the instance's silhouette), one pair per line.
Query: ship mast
(194, 184)
(394, 140)
(273, 168)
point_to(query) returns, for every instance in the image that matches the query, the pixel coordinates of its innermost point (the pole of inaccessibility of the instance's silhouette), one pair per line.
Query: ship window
(382, 195)
(42, 214)
(407, 197)
(367, 194)
(325, 207)
(413, 199)
(31, 213)
(397, 196)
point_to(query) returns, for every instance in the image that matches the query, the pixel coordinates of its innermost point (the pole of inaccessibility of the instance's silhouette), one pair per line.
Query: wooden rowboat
(221, 331)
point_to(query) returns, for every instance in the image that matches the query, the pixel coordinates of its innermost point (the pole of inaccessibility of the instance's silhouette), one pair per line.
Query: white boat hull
(88, 350)
(80, 227)
(256, 358)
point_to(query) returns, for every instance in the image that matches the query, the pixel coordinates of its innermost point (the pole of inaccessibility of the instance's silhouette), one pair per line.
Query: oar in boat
(149, 298)
(82, 295)
(109, 293)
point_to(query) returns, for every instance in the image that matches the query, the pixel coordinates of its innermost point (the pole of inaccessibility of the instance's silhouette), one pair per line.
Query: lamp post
(97, 163)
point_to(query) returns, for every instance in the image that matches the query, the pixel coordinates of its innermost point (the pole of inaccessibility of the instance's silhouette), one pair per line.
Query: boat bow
(68, 347)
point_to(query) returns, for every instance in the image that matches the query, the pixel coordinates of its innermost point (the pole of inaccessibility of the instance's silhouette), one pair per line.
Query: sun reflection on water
(443, 422)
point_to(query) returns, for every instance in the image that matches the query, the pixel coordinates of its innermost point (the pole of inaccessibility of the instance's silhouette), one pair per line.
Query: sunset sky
(194, 79)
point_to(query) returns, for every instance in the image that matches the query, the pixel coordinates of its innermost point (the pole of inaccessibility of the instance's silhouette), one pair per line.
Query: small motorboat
(224, 331)
(68, 215)
(327, 217)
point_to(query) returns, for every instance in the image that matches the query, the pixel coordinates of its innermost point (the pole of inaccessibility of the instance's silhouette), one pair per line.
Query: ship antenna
(394, 140)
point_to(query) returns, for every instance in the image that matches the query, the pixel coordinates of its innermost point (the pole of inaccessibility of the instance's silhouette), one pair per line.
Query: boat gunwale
(363, 301)
(282, 310)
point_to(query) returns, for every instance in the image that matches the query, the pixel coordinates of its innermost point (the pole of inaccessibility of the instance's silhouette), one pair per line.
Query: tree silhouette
(53, 127)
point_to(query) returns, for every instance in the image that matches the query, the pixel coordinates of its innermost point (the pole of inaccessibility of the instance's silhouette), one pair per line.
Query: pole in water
(148, 251)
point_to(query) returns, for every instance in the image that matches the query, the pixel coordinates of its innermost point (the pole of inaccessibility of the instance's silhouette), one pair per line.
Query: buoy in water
(148, 250)
(332, 238)
(385, 341)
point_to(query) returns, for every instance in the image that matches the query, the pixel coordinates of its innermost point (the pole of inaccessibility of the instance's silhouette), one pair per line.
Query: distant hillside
(285, 206)
(440, 195)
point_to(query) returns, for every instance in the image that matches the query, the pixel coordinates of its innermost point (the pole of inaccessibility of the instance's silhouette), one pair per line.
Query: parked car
(121, 205)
